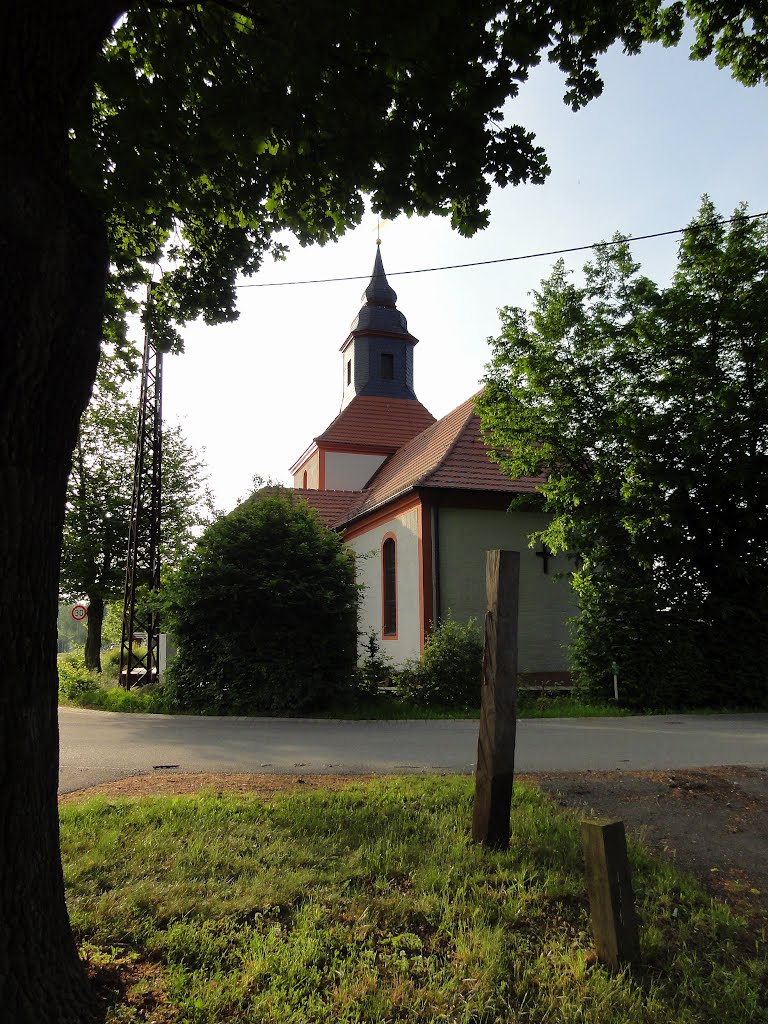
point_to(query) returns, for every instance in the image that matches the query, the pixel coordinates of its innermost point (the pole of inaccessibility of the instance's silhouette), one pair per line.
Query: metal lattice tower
(143, 568)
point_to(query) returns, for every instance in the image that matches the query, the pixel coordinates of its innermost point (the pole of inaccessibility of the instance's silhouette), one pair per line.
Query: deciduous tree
(207, 129)
(97, 518)
(647, 407)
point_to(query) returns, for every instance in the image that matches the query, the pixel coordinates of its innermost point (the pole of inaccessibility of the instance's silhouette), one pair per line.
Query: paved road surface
(99, 746)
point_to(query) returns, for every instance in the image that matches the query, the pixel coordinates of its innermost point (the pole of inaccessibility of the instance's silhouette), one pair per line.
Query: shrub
(74, 678)
(375, 670)
(264, 613)
(110, 664)
(450, 671)
(150, 700)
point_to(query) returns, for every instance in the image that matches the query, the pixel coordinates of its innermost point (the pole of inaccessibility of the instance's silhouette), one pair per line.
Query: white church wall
(404, 527)
(546, 602)
(349, 471)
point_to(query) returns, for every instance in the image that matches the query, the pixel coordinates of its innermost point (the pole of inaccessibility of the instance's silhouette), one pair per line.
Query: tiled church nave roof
(333, 507)
(383, 424)
(449, 454)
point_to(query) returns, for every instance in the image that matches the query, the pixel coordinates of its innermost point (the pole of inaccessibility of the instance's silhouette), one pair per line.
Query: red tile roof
(448, 454)
(333, 507)
(382, 424)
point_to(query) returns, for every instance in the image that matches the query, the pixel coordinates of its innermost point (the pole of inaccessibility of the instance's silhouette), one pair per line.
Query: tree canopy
(647, 409)
(211, 130)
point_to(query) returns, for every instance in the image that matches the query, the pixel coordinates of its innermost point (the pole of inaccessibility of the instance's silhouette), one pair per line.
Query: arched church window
(387, 366)
(305, 479)
(349, 372)
(389, 586)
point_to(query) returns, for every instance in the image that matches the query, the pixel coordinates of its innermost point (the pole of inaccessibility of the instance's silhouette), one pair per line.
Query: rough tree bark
(53, 261)
(93, 636)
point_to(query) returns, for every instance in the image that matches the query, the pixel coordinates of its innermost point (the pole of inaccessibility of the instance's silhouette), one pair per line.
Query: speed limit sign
(79, 612)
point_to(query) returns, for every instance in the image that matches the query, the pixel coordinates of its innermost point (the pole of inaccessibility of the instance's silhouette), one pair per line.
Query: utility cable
(505, 259)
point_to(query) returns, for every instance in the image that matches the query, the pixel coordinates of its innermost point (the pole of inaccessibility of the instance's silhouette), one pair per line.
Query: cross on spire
(379, 221)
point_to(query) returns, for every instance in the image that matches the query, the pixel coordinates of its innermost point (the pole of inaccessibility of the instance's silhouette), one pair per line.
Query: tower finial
(379, 221)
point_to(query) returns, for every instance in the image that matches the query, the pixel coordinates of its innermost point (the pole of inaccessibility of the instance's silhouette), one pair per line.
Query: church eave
(460, 496)
(357, 518)
(305, 457)
(356, 447)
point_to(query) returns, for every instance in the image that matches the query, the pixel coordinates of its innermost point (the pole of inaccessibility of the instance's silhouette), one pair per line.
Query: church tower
(377, 356)
(379, 409)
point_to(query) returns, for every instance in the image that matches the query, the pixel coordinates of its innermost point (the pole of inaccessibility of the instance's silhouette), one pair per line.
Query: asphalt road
(98, 746)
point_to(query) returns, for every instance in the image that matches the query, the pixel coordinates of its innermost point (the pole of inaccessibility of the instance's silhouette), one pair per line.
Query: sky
(253, 394)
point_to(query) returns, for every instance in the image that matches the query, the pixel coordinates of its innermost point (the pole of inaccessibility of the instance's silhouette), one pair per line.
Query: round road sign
(79, 612)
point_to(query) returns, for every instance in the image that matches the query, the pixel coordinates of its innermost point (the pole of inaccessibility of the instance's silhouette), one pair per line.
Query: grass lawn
(370, 904)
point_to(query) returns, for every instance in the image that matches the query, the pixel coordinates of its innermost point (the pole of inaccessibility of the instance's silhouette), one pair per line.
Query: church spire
(379, 290)
(378, 353)
(379, 311)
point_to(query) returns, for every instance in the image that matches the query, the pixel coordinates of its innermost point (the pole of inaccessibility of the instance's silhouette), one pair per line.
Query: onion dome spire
(379, 311)
(379, 290)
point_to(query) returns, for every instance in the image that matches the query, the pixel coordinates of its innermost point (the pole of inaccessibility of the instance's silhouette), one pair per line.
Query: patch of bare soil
(135, 988)
(712, 822)
(261, 786)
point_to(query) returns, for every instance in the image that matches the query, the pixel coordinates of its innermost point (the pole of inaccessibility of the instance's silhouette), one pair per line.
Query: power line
(502, 259)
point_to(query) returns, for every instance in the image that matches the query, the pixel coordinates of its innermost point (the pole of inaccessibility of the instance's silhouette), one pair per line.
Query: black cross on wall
(545, 554)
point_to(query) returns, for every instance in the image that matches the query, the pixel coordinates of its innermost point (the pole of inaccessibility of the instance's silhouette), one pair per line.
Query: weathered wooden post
(495, 769)
(609, 884)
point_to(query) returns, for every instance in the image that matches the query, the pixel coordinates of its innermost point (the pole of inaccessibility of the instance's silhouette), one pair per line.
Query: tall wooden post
(495, 769)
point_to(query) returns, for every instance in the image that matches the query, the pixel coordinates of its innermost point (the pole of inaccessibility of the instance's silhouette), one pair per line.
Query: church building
(420, 502)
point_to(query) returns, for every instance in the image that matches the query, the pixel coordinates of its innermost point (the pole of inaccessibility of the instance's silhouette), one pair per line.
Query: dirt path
(712, 822)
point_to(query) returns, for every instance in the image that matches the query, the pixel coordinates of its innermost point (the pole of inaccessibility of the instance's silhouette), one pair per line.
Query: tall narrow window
(349, 372)
(387, 366)
(305, 479)
(389, 586)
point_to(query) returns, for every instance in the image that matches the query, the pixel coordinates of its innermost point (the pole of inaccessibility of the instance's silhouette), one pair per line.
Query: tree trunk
(53, 261)
(48, 364)
(93, 636)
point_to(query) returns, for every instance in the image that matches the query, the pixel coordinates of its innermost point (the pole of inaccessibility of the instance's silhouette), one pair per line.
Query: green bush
(450, 671)
(150, 700)
(110, 664)
(74, 678)
(264, 614)
(375, 670)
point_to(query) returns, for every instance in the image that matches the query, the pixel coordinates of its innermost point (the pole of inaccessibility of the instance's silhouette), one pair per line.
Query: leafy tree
(97, 518)
(71, 632)
(264, 612)
(208, 129)
(647, 409)
(112, 625)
